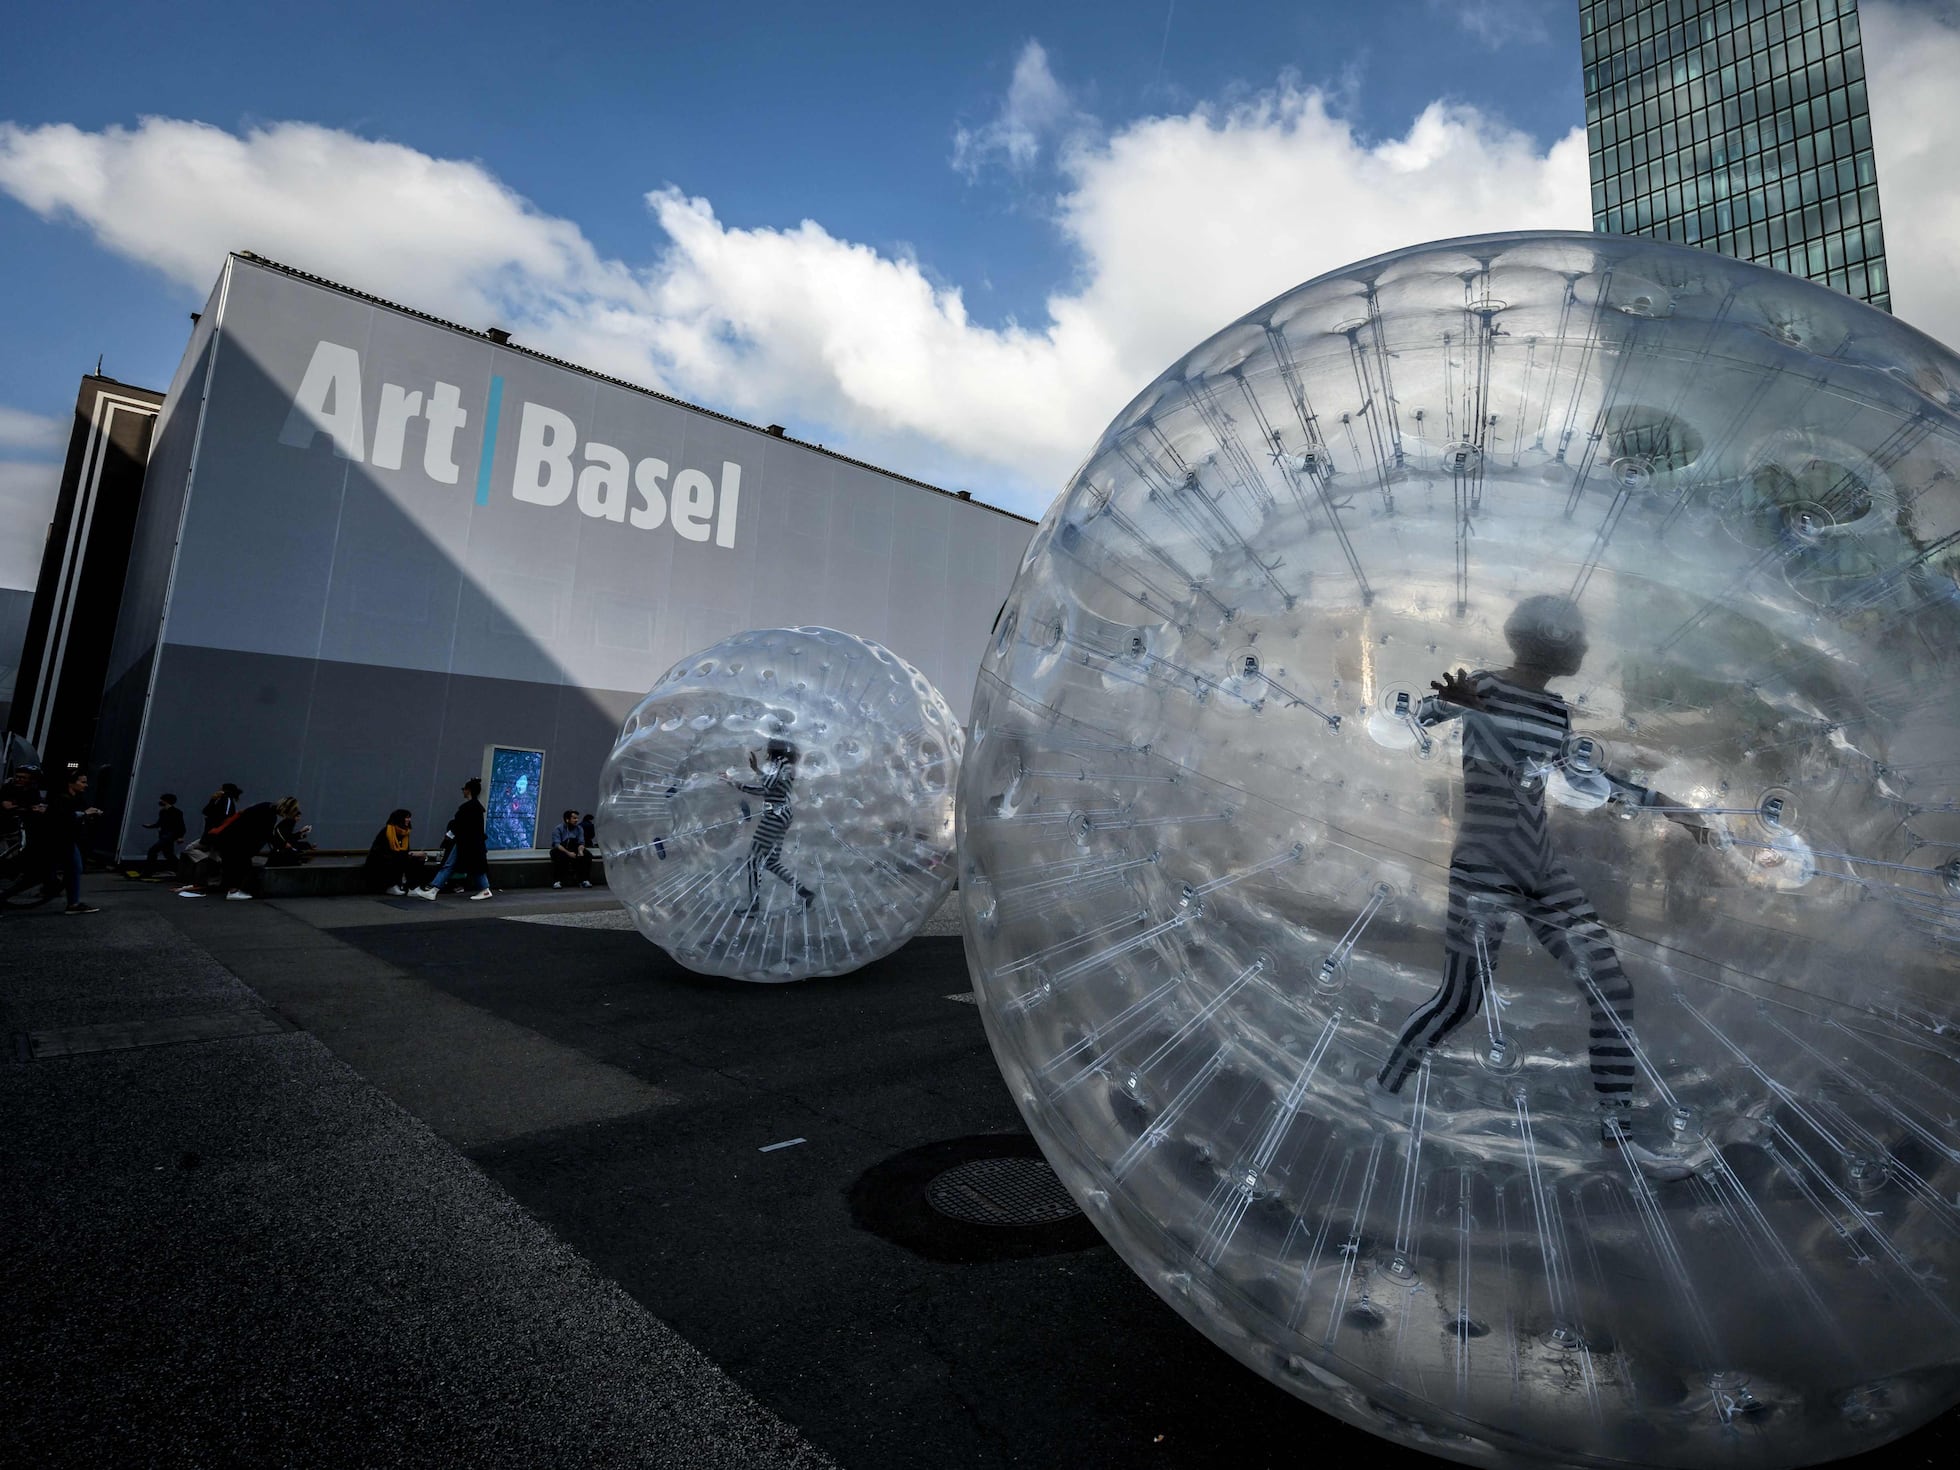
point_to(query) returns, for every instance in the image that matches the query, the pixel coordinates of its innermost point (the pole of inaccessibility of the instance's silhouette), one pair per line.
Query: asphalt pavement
(368, 1182)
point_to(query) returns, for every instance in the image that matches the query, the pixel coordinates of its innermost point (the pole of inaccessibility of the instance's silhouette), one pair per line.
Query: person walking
(169, 827)
(570, 861)
(471, 852)
(390, 867)
(69, 814)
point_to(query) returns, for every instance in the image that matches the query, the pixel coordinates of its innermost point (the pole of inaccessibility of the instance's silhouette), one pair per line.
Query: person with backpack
(472, 851)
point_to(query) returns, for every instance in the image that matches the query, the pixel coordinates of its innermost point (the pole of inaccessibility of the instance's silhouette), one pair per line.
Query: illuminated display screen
(511, 802)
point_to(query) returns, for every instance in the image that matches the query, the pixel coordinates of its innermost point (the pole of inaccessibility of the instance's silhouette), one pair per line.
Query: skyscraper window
(1740, 126)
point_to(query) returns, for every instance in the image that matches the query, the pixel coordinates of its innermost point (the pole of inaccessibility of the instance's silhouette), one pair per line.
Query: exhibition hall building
(374, 553)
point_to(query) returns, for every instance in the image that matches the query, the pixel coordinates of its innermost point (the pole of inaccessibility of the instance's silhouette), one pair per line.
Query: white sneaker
(238, 893)
(398, 891)
(428, 893)
(190, 893)
(585, 882)
(557, 885)
(475, 896)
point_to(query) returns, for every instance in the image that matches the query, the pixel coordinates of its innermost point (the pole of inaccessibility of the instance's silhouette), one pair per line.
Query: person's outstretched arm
(1454, 696)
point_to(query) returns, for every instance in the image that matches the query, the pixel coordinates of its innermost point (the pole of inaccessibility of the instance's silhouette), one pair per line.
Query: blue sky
(951, 239)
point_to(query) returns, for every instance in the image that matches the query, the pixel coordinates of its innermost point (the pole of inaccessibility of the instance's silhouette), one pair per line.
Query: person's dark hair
(169, 796)
(782, 750)
(570, 812)
(474, 786)
(1547, 630)
(399, 816)
(231, 790)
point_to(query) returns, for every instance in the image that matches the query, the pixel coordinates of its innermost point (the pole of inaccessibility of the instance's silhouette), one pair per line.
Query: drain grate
(1003, 1191)
(985, 1197)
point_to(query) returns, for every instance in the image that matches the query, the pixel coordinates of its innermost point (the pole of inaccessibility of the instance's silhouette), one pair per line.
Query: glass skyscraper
(1740, 126)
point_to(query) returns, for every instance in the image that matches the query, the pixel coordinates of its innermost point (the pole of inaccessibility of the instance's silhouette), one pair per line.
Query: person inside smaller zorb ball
(775, 781)
(1516, 733)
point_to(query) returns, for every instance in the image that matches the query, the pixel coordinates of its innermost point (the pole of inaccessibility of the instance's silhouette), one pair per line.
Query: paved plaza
(363, 1181)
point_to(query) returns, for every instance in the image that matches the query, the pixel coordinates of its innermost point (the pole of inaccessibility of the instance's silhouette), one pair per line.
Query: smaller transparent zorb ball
(780, 805)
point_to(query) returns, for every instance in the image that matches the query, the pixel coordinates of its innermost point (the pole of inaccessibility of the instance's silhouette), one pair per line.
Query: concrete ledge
(333, 877)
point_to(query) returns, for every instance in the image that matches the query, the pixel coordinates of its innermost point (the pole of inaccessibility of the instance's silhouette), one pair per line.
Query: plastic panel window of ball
(780, 805)
(1462, 852)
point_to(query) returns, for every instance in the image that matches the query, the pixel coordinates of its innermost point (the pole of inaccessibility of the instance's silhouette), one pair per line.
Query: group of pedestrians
(43, 835)
(42, 826)
(221, 858)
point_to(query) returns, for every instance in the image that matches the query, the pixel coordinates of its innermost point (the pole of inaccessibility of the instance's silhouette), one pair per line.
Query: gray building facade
(1740, 126)
(373, 545)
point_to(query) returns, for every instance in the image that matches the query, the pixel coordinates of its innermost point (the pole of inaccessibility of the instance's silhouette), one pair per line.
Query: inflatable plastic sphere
(1461, 852)
(780, 805)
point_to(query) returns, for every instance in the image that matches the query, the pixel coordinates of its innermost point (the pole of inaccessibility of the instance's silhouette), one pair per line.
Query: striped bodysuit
(766, 848)
(1502, 865)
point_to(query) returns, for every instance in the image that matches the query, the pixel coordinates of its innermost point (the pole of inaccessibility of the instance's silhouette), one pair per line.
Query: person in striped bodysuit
(774, 784)
(1514, 734)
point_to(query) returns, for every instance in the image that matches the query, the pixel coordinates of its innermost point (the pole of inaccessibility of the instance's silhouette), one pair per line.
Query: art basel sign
(550, 468)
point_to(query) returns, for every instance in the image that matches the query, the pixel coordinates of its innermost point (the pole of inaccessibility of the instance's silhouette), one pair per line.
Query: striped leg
(1565, 922)
(1474, 900)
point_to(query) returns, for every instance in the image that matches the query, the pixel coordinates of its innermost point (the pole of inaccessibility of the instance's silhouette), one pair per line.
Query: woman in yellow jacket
(390, 867)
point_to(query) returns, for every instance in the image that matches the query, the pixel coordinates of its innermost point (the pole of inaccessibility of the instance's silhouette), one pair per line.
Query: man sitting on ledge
(570, 861)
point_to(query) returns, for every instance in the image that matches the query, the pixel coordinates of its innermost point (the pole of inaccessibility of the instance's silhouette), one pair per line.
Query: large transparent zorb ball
(780, 805)
(1461, 852)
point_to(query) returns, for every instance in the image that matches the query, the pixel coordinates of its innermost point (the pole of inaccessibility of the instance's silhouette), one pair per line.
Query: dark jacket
(65, 821)
(472, 847)
(169, 825)
(247, 832)
(215, 811)
(384, 866)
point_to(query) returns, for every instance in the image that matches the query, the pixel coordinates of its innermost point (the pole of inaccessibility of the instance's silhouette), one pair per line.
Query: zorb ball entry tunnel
(780, 805)
(1460, 848)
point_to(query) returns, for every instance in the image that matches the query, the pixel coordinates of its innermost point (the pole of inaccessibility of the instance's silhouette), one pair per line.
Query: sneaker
(585, 882)
(190, 893)
(81, 908)
(398, 891)
(428, 893)
(485, 893)
(238, 893)
(557, 885)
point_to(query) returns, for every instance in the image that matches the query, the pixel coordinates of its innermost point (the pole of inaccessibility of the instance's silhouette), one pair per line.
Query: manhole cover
(1005, 1191)
(985, 1197)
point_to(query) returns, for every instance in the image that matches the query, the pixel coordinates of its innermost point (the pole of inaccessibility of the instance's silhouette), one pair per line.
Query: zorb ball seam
(1461, 852)
(780, 805)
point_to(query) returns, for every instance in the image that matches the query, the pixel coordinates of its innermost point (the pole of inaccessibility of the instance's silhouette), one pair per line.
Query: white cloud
(1499, 23)
(27, 496)
(1912, 54)
(1180, 223)
(31, 433)
(1037, 111)
(440, 233)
